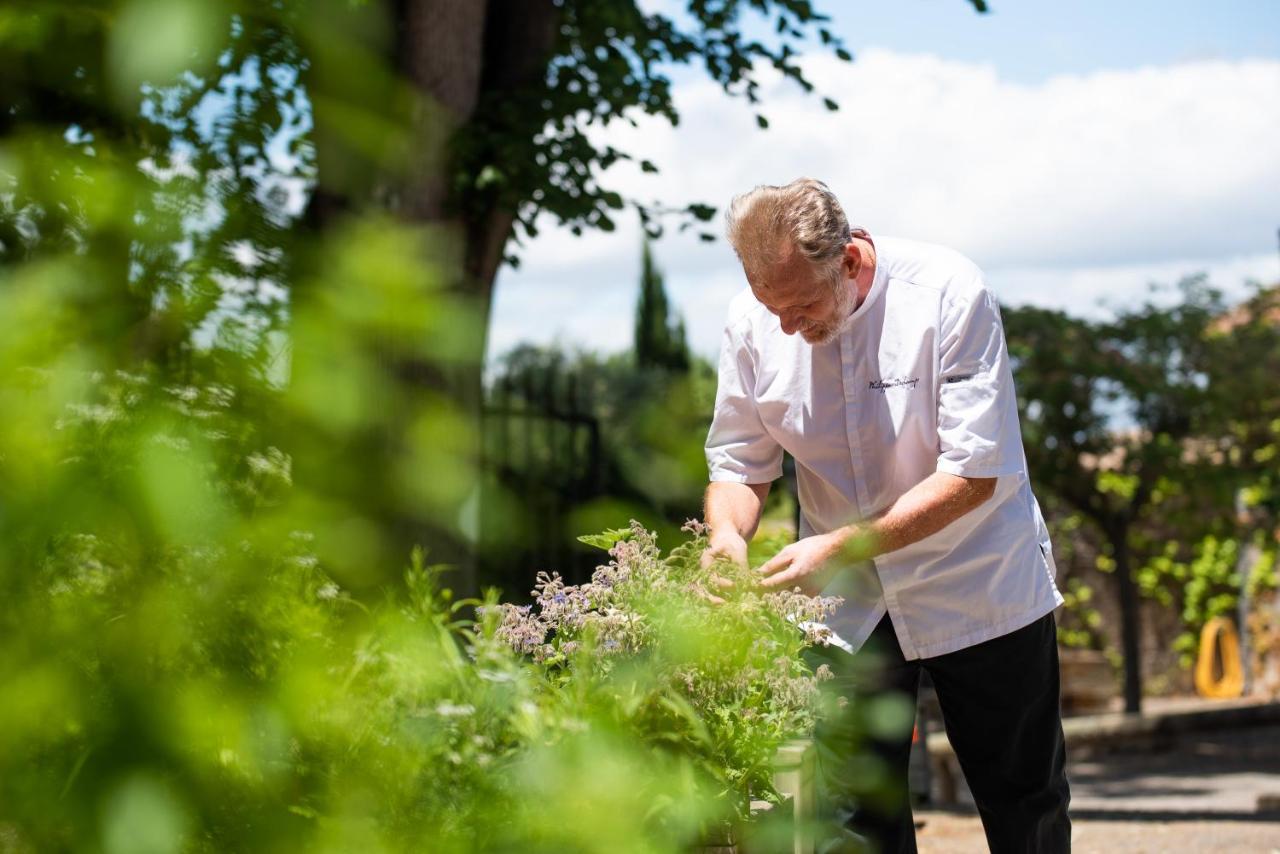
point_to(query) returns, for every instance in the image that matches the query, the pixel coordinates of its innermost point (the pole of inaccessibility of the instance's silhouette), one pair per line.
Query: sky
(1077, 151)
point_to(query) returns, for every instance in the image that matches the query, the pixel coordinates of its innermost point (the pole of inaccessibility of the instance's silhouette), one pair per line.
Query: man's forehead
(777, 294)
(793, 276)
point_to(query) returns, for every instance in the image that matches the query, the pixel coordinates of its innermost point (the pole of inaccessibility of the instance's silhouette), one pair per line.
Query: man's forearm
(925, 509)
(734, 508)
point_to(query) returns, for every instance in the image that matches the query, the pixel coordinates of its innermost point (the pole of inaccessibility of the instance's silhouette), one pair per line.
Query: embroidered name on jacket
(894, 382)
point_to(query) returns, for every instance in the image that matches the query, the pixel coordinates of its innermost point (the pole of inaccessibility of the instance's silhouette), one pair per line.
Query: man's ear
(852, 260)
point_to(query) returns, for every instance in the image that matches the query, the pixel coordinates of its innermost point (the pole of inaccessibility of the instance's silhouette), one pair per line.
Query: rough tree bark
(459, 55)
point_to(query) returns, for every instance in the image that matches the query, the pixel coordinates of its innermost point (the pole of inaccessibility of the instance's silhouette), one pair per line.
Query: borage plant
(722, 684)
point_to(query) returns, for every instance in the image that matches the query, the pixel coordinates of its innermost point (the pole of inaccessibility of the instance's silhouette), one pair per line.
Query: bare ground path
(1205, 791)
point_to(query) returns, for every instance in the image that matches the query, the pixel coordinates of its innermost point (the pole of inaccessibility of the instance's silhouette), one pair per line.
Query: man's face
(804, 300)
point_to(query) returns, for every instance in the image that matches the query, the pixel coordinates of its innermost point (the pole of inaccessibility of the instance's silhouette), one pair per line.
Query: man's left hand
(800, 563)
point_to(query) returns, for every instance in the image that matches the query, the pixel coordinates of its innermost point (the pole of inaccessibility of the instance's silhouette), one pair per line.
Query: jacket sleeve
(978, 433)
(738, 447)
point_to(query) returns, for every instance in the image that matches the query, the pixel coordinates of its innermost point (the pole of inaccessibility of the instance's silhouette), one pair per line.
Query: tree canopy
(1137, 423)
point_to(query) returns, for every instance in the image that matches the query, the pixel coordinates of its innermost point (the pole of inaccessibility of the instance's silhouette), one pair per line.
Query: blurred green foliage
(183, 673)
(1205, 584)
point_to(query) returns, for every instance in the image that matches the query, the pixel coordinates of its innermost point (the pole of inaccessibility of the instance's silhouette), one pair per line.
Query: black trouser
(1000, 705)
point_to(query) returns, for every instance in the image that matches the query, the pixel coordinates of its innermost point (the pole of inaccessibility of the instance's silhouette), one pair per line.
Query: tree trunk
(457, 56)
(1129, 618)
(463, 59)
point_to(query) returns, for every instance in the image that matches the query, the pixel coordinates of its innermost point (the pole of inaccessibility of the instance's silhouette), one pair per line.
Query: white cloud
(1091, 291)
(1079, 187)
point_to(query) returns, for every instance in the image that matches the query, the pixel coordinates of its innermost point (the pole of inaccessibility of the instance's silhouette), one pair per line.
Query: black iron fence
(542, 459)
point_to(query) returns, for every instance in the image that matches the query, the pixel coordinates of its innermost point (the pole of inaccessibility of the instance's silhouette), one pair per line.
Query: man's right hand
(730, 547)
(732, 512)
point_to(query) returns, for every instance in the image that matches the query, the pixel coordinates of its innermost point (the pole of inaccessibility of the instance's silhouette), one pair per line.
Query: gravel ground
(1207, 792)
(947, 833)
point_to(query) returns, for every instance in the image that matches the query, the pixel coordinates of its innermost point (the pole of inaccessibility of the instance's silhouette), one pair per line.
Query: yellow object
(1219, 636)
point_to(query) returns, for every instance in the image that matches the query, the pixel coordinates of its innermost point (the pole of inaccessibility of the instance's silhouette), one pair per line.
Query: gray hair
(767, 223)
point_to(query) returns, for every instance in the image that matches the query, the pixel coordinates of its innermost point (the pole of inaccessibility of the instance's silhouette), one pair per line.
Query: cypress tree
(659, 337)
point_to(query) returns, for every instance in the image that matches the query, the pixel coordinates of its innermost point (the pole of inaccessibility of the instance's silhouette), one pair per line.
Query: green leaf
(830, 104)
(607, 539)
(762, 121)
(702, 212)
(844, 54)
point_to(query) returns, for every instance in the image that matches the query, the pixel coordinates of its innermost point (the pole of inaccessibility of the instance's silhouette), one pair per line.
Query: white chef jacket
(918, 382)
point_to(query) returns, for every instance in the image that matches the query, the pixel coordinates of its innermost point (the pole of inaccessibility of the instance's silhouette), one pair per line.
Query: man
(880, 365)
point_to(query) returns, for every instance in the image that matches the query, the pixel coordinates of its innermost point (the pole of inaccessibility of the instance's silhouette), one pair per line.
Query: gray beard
(824, 333)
